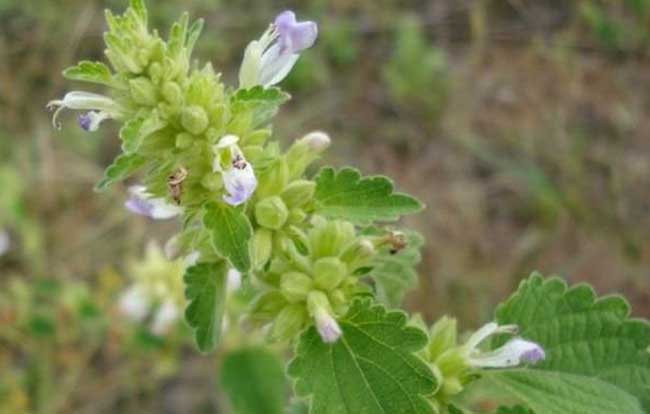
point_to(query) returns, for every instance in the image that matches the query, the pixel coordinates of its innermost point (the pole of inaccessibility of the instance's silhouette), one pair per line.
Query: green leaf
(583, 334)
(562, 393)
(372, 369)
(517, 409)
(255, 382)
(122, 167)
(95, 72)
(345, 194)
(205, 290)
(395, 273)
(263, 102)
(231, 233)
(135, 130)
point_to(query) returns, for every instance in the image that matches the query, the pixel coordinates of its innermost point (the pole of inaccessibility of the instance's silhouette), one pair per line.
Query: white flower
(233, 282)
(269, 60)
(328, 328)
(166, 315)
(5, 242)
(238, 177)
(134, 303)
(515, 352)
(101, 107)
(143, 203)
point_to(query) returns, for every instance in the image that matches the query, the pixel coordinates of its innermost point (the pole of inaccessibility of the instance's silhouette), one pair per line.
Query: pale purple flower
(328, 328)
(143, 203)
(100, 108)
(515, 352)
(238, 177)
(91, 120)
(269, 60)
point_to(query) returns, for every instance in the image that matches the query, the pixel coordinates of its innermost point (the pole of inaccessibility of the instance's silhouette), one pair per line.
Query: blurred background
(522, 124)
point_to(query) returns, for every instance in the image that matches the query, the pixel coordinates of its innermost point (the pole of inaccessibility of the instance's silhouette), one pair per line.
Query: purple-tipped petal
(294, 36)
(534, 355)
(240, 183)
(328, 328)
(142, 203)
(85, 121)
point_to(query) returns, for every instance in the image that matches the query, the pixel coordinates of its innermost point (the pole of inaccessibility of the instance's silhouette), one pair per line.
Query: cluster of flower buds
(313, 278)
(454, 363)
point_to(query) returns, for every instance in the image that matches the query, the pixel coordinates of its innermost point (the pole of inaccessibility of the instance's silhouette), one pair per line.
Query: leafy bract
(548, 392)
(255, 382)
(395, 273)
(371, 369)
(264, 102)
(137, 129)
(583, 334)
(205, 290)
(122, 167)
(95, 72)
(345, 194)
(230, 232)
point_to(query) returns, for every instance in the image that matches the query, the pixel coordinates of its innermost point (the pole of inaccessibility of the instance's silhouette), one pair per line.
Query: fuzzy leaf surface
(548, 392)
(583, 334)
(345, 194)
(205, 290)
(255, 382)
(372, 369)
(230, 232)
(122, 167)
(87, 71)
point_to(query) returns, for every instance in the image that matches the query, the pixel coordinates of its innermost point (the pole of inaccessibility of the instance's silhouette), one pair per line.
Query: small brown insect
(397, 241)
(175, 184)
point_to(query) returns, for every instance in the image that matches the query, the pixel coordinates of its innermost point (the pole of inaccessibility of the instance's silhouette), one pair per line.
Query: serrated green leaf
(517, 409)
(255, 382)
(122, 167)
(205, 290)
(263, 102)
(231, 233)
(372, 369)
(86, 71)
(345, 194)
(395, 273)
(549, 392)
(583, 334)
(135, 130)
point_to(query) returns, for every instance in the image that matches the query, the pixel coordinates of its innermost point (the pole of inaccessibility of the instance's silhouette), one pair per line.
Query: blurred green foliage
(522, 125)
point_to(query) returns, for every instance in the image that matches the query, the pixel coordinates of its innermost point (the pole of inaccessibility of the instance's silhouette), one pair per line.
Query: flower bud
(262, 247)
(297, 216)
(271, 213)
(143, 91)
(305, 151)
(172, 93)
(212, 182)
(329, 238)
(317, 141)
(273, 179)
(296, 286)
(194, 119)
(329, 272)
(321, 310)
(289, 322)
(443, 337)
(268, 305)
(184, 140)
(298, 193)
(358, 253)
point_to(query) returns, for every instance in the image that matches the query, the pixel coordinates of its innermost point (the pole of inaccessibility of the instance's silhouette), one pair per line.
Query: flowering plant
(317, 252)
